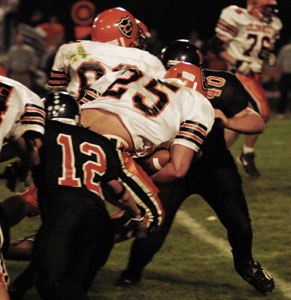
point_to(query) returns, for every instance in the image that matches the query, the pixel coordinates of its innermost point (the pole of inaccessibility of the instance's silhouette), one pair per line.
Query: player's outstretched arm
(246, 121)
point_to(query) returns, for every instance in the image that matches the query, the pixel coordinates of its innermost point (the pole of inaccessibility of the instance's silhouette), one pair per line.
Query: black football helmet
(181, 51)
(60, 106)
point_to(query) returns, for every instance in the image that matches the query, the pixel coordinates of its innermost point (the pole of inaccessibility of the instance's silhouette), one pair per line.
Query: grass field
(195, 262)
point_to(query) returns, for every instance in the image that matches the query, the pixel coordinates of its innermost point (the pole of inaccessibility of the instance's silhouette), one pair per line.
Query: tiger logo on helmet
(115, 26)
(126, 27)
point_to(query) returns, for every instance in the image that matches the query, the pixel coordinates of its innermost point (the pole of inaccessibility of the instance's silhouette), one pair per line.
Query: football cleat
(128, 279)
(254, 274)
(248, 163)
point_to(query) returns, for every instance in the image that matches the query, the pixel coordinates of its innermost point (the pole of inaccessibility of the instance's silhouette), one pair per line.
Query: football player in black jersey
(214, 176)
(76, 234)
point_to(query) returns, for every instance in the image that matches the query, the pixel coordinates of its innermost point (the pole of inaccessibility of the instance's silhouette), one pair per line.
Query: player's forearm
(177, 167)
(123, 199)
(129, 203)
(167, 174)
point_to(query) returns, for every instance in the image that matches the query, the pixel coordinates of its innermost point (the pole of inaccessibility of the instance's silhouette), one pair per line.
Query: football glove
(127, 227)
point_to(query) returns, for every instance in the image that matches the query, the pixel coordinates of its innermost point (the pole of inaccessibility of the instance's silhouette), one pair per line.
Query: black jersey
(74, 157)
(225, 92)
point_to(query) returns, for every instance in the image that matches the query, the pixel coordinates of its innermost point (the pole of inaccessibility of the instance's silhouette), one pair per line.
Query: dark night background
(172, 18)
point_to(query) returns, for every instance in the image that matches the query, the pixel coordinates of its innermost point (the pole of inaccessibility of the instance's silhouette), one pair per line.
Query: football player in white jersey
(21, 111)
(150, 113)
(245, 39)
(115, 34)
(21, 121)
(115, 41)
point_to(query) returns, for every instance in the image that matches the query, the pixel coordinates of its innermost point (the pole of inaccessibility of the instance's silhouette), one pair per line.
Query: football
(156, 160)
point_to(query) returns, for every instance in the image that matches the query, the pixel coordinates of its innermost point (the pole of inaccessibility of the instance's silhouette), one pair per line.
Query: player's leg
(143, 190)
(95, 246)
(57, 245)
(143, 250)
(259, 102)
(229, 203)
(4, 277)
(3, 292)
(247, 156)
(230, 137)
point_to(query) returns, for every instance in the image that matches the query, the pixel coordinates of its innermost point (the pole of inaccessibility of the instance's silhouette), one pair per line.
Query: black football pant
(73, 243)
(219, 183)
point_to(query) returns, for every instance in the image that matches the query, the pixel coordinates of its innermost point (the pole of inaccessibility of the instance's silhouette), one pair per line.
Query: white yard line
(197, 230)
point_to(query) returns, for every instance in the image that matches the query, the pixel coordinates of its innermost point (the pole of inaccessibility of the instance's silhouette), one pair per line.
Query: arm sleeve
(227, 22)
(197, 124)
(59, 76)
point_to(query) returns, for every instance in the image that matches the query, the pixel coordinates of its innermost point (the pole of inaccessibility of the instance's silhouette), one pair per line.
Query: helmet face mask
(263, 10)
(62, 107)
(192, 76)
(115, 26)
(181, 51)
(142, 34)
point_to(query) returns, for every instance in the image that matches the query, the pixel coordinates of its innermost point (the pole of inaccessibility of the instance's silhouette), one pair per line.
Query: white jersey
(248, 35)
(156, 112)
(21, 110)
(78, 64)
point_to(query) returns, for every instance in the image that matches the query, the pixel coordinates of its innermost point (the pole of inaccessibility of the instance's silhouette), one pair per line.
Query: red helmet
(116, 26)
(262, 9)
(191, 75)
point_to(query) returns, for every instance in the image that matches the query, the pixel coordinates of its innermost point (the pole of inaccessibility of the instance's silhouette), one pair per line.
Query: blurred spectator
(194, 38)
(21, 61)
(35, 18)
(9, 20)
(54, 36)
(54, 33)
(154, 45)
(284, 67)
